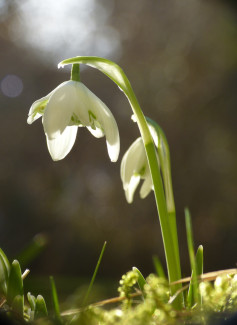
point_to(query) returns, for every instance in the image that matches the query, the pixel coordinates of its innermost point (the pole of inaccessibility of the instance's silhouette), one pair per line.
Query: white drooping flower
(67, 107)
(134, 167)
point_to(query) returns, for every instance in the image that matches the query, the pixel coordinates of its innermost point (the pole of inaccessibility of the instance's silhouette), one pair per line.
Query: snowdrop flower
(134, 167)
(67, 107)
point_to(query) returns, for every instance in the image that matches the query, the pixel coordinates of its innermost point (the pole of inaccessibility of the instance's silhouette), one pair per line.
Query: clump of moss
(221, 296)
(152, 306)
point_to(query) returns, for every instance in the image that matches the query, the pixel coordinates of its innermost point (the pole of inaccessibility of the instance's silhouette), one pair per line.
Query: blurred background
(181, 59)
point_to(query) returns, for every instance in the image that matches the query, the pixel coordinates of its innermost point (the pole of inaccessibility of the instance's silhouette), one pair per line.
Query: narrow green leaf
(94, 275)
(55, 300)
(40, 307)
(193, 297)
(199, 265)
(4, 272)
(199, 260)
(199, 268)
(31, 300)
(3, 276)
(18, 305)
(158, 267)
(5, 259)
(190, 296)
(15, 282)
(141, 281)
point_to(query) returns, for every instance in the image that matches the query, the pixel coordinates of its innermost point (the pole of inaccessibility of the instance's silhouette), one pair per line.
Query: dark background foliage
(181, 58)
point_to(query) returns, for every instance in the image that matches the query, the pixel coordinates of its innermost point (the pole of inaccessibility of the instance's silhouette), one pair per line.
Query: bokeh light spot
(11, 85)
(69, 28)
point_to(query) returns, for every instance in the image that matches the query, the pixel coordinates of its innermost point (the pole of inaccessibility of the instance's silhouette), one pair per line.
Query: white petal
(124, 177)
(62, 145)
(34, 112)
(146, 186)
(82, 106)
(35, 107)
(112, 140)
(107, 123)
(98, 133)
(131, 188)
(59, 109)
(133, 161)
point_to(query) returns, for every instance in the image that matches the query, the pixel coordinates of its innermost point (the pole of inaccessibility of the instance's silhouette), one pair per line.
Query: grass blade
(193, 296)
(199, 260)
(94, 275)
(55, 300)
(199, 268)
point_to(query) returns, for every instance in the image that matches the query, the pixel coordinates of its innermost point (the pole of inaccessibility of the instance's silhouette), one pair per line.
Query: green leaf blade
(55, 300)
(199, 266)
(199, 270)
(141, 280)
(4, 274)
(40, 307)
(5, 260)
(199, 260)
(15, 282)
(18, 305)
(193, 294)
(31, 300)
